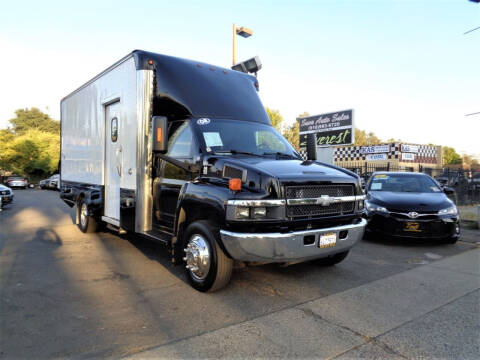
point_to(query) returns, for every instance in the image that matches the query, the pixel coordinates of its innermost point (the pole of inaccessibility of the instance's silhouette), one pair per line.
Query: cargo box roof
(204, 90)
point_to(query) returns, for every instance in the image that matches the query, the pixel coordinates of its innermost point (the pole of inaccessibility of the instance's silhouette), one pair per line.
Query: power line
(469, 31)
(475, 113)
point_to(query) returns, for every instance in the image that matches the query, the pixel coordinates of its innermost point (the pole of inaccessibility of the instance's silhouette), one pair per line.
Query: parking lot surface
(69, 294)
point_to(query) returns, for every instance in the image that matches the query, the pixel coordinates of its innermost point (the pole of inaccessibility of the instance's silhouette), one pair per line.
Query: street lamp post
(243, 32)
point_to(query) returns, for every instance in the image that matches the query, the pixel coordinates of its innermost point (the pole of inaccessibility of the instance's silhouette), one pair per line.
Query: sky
(405, 67)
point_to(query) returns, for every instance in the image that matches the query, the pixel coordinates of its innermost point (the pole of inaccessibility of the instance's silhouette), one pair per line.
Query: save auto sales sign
(331, 129)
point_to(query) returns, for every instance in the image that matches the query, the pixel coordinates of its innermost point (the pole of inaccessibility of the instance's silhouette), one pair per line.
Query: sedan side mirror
(160, 134)
(448, 190)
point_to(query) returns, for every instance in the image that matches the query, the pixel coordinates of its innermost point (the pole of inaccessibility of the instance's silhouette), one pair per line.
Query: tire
(333, 259)
(201, 239)
(87, 223)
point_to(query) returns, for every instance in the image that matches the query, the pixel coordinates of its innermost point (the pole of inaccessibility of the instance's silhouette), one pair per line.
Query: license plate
(327, 240)
(412, 226)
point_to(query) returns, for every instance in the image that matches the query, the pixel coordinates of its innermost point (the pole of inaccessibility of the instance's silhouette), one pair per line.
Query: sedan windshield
(403, 183)
(242, 137)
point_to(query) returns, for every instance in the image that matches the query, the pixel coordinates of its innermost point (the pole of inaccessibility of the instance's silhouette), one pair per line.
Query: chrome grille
(316, 191)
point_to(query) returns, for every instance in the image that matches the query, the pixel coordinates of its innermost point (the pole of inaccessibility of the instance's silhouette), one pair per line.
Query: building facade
(392, 155)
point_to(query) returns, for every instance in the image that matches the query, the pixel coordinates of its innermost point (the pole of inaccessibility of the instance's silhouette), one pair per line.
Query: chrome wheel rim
(197, 257)
(83, 214)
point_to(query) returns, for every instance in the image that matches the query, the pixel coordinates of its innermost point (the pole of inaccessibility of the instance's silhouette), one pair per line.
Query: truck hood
(267, 175)
(292, 170)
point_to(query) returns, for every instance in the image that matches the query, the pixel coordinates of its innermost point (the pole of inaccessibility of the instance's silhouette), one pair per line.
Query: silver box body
(84, 132)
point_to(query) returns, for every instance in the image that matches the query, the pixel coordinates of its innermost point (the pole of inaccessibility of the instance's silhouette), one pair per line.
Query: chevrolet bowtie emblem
(324, 200)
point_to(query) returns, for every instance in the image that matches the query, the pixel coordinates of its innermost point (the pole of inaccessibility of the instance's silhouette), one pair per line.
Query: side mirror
(311, 146)
(448, 190)
(160, 134)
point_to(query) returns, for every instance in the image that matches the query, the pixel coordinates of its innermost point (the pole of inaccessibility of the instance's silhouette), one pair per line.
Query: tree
(33, 153)
(362, 138)
(33, 119)
(275, 118)
(450, 156)
(292, 132)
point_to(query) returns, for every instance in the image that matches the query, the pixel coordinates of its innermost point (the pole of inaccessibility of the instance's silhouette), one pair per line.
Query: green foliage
(32, 145)
(33, 119)
(275, 118)
(292, 134)
(362, 138)
(450, 156)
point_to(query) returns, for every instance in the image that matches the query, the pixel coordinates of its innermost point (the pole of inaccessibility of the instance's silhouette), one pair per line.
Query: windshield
(233, 136)
(403, 183)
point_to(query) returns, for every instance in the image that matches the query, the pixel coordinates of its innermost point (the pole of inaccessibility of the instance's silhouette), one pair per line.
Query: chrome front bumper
(285, 247)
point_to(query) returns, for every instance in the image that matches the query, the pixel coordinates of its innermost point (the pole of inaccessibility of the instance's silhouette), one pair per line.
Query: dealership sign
(331, 129)
(408, 156)
(410, 148)
(375, 149)
(376, 157)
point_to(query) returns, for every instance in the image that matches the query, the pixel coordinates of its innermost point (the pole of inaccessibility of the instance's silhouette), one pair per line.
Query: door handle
(119, 170)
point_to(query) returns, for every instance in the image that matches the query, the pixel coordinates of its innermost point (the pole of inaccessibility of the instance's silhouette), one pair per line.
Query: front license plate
(327, 240)
(412, 227)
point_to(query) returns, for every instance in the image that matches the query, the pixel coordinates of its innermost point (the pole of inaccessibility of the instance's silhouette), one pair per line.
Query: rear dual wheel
(86, 223)
(207, 267)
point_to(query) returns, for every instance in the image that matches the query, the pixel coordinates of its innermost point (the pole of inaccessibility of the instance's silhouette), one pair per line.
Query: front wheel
(207, 267)
(333, 259)
(87, 223)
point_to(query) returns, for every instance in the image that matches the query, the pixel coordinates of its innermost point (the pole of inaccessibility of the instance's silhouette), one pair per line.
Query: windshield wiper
(235, 152)
(279, 154)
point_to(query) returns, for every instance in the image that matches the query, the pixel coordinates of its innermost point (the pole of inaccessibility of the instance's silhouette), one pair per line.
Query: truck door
(113, 161)
(171, 177)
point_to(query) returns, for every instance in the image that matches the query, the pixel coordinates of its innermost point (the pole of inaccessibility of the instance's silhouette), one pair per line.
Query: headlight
(242, 212)
(259, 212)
(255, 210)
(375, 208)
(452, 210)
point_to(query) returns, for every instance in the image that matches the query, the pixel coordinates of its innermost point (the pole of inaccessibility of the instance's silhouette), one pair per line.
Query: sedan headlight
(374, 207)
(452, 210)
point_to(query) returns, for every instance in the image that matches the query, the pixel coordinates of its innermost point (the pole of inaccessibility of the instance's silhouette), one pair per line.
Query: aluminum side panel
(83, 127)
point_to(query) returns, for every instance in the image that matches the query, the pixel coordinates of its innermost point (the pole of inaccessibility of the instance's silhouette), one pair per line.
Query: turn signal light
(159, 135)
(235, 184)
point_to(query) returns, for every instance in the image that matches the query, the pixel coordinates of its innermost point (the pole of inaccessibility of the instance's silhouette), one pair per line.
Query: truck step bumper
(292, 246)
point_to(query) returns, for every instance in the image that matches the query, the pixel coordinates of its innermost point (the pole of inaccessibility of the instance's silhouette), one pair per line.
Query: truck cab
(213, 179)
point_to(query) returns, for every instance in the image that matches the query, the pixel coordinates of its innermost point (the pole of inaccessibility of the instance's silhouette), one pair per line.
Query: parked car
(44, 183)
(410, 205)
(16, 182)
(54, 182)
(475, 180)
(451, 178)
(6, 195)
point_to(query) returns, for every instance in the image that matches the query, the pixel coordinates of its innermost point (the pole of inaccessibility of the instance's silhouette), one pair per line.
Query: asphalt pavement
(69, 294)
